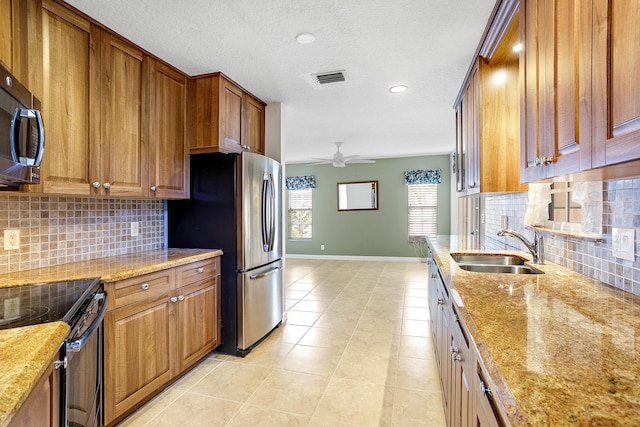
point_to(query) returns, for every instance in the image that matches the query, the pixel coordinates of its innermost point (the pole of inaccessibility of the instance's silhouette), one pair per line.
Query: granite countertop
(560, 348)
(26, 352)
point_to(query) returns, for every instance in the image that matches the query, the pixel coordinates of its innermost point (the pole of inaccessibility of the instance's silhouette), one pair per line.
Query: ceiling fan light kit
(339, 160)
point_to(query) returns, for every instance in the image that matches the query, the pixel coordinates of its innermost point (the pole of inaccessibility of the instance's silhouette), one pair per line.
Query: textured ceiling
(425, 44)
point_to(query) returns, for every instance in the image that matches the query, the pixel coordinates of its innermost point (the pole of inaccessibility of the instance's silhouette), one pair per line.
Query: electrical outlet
(322, 247)
(623, 243)
(12, 308)
(135, 229)
(11, 239)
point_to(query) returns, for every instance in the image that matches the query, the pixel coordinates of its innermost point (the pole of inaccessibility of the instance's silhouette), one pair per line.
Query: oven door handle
(76, 345)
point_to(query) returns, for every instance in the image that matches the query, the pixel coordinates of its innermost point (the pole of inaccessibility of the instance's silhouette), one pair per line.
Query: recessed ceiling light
(305, 38)
(398, 88)
(517, 47)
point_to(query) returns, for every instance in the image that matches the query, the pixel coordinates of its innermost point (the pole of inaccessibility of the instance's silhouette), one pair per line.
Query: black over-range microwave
(21, 133)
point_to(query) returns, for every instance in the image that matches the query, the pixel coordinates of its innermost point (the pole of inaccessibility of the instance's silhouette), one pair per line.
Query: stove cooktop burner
(40, 303)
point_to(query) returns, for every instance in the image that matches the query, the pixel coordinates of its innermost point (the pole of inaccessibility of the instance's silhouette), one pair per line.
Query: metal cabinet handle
(433, 275)
(180, 297)
(456, 357)
(145, 286)
(61, 363)
(96, 184)
(440, 301)
(154, 188)
(485, 390)
(106, 185)
(200, 270)
(173, 299)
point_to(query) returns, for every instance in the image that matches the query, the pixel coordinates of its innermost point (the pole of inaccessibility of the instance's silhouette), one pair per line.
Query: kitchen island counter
(560, 348)
(26, 352)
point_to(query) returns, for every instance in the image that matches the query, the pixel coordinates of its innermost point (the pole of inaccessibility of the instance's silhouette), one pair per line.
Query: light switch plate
(624, 243)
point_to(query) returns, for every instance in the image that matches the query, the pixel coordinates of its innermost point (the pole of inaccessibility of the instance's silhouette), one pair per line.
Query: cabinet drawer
(139, 288)
(197, 271)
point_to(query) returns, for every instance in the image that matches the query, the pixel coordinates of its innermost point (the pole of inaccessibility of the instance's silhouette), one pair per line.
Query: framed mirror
(358, 196)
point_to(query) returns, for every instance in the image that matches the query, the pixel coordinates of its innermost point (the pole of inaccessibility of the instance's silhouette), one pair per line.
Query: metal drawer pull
(180, 297)
(440, 301)
(96, 184)
(106, 185)
(154, 188)
(173, 299)
(145, 286)
(201, 270)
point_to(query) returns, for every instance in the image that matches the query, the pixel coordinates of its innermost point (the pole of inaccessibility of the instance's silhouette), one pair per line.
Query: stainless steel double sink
(490, 263)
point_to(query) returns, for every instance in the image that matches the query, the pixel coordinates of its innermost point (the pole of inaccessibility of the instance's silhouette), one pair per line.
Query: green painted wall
(381, 232)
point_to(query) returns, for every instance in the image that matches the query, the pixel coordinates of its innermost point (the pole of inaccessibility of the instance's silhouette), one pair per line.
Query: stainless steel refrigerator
(235, 206)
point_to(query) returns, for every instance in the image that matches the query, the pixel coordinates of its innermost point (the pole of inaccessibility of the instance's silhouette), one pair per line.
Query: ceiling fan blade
(323, 162)
(351, 157)
(360, 161)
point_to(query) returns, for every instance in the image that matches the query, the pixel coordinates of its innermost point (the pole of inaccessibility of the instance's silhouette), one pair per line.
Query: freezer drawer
(260, 303)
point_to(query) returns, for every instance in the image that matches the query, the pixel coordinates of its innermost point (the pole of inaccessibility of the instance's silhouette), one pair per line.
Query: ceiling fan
(339, 160)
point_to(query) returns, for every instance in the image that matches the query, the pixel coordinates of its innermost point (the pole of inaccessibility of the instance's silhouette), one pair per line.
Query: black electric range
(43, 302)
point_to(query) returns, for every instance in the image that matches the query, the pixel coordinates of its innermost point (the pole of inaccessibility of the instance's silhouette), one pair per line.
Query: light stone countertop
(26, 352)
(561, 349)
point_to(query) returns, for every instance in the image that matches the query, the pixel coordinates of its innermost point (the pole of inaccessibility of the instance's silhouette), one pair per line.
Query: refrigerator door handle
(272, 216)
(268, 212)
(266, 273)
(265, 202)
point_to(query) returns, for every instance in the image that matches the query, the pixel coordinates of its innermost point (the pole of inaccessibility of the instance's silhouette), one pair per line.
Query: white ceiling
(424, 44)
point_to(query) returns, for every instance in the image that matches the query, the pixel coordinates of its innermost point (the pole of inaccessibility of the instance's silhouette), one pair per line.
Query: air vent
(332, 77)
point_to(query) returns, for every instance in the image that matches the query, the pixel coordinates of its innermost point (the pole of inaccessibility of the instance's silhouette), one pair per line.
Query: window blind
(300, 215)
(423, 209)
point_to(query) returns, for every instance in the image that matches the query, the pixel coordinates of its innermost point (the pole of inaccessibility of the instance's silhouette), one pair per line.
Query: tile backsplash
(621, 208)
(59, 230)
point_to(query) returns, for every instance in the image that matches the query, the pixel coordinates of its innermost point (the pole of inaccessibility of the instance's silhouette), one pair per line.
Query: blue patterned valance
(300, 182)
(422, 176)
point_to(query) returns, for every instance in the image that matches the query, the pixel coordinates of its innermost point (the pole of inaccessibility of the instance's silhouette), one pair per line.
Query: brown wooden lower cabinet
(42, 407)
(465, 402)
(157, 326)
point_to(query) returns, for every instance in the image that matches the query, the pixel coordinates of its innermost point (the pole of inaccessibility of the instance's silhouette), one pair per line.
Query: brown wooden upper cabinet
(225, 118)
(168, 147)
(115, 125)
(13, 37)
(488, 114)
(556, 64)
(616, 91)
(580, 111)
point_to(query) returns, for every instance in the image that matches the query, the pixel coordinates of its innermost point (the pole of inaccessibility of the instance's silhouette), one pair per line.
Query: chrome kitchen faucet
(536, 248)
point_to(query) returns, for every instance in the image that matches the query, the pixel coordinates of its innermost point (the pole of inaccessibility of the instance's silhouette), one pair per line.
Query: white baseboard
(354, 258)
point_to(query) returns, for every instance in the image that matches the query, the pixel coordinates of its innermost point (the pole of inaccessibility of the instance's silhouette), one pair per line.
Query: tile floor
(356, 350)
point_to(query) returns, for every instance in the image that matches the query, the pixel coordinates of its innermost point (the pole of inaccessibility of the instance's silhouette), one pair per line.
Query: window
(300, 225)
(423, 210)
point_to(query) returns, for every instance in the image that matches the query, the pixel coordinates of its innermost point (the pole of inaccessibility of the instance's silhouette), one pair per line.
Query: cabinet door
(42, 407)
(198, 321)
(461, 148)
(485, 414)
(168, 150)
(66, 80)
(13, 37)
(124, 119)
(472, 127)
(253, 124)
(230, 117)
(138, 339)
(461, 377)
(557, 66)
(616, 92)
